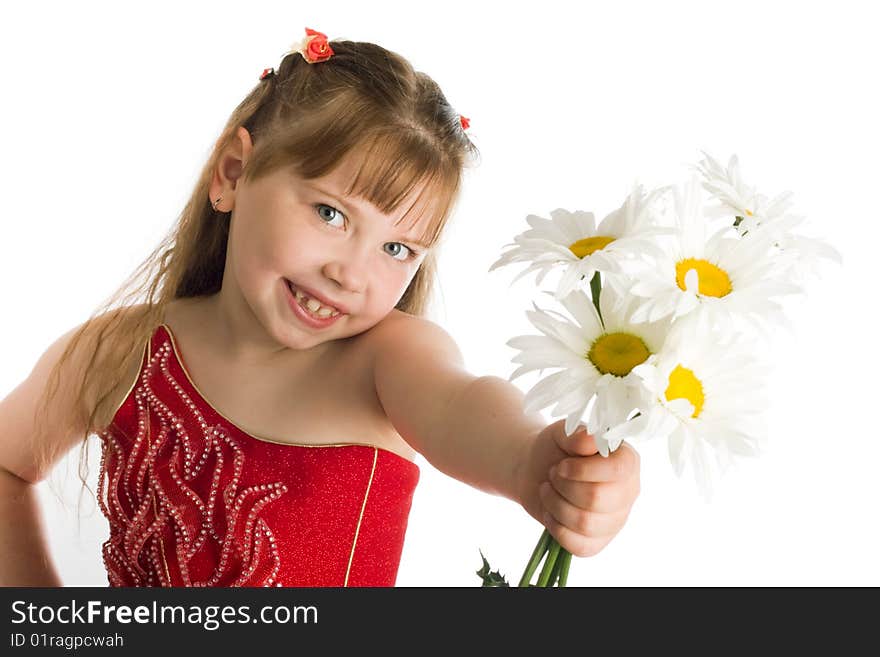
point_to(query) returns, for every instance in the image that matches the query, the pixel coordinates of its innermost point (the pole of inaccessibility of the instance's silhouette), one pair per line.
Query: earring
(215, 203)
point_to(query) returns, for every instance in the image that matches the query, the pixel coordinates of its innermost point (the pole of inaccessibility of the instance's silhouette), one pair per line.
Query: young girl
(260, 409)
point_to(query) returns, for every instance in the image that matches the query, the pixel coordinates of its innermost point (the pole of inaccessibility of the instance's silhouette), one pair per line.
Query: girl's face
(292, 240)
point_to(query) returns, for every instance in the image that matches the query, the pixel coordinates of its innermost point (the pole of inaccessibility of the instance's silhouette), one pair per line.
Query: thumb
(579, 443)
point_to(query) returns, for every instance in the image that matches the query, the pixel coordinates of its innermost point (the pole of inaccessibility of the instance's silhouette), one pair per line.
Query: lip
(306, 318)
(324, 300)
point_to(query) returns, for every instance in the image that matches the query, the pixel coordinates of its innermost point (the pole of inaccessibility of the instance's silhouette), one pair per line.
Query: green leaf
(490, 578)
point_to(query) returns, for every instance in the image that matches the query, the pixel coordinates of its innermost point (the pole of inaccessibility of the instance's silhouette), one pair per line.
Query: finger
(621, 464)
(602, 497)
(578, 544)
(586, 523)
(580, 443)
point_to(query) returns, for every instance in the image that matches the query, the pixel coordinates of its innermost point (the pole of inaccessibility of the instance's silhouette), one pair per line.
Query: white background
(110, 109)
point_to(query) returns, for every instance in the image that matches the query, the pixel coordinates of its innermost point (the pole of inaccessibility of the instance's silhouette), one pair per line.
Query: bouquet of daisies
(666, 298)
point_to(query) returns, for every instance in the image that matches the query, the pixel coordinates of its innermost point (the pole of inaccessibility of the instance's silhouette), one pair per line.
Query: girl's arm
(24, 553)
(471, 428)
(24, 556)
(475, 430)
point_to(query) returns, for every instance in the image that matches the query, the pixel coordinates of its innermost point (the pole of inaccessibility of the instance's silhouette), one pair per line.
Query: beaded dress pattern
(194, 500)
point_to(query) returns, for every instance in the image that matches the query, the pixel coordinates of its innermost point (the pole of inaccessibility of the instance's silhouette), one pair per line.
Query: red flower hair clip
(314, 48)
(465, 122)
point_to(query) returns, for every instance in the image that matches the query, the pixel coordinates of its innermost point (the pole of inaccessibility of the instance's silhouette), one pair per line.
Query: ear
(230, 163)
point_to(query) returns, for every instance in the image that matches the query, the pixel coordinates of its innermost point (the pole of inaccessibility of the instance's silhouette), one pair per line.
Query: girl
(261, 407)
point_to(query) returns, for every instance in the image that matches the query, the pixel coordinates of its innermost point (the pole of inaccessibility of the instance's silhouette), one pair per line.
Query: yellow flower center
(683, 384)
(588, 245)
(618, 353)
(713, 281)
(750, 213)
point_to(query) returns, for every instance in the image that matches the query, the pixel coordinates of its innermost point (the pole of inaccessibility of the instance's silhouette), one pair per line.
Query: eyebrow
(346, 205)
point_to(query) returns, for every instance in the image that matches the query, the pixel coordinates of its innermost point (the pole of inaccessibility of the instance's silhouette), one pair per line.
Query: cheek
(258, 253)
(249, 232)
(387, 288)
(403, 283)
(271, 225)
(285, 247)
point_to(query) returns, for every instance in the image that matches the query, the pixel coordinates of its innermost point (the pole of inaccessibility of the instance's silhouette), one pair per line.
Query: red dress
(193, 500)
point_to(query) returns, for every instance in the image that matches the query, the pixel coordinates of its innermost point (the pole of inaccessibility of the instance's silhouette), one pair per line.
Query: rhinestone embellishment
(173, 497)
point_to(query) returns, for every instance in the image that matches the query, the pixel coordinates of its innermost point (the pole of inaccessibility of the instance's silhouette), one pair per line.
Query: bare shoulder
(401, 335)
(62, 424)
(418, 371)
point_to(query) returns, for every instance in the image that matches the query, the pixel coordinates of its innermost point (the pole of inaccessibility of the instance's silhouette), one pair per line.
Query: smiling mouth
(312, 306)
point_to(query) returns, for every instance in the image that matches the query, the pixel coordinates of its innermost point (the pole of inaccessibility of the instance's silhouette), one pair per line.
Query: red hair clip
(314, 48)
(465, 122)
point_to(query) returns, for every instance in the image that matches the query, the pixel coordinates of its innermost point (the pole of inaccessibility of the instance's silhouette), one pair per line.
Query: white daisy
(571, 241)
(596, 356)
(726, 185)
(728, 282)
(798, 255)
(751, 210)
(736, 199)
(705, 397)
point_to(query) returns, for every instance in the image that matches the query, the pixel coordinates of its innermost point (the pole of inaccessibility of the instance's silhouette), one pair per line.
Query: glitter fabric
(193, 500)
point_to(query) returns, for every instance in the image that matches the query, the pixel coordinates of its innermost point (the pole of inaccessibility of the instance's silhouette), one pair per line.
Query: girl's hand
(582, 497)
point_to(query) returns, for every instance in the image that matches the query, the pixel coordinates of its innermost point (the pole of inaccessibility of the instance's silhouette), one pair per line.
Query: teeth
(314, 306)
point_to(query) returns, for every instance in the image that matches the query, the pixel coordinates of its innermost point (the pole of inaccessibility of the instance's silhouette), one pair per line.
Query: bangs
(402, 170)
(396, 164)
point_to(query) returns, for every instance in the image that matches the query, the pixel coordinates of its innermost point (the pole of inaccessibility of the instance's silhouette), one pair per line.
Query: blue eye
(328, 213)
(396, 250)
(401, 249)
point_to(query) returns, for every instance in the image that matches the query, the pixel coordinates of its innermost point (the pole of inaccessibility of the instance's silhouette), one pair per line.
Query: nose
(348, 269)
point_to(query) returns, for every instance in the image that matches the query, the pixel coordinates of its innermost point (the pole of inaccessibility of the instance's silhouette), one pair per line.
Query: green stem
(559, 560)
(549, 564)
(538, 553)
(565, 558)
(595, 288)
(557, 565)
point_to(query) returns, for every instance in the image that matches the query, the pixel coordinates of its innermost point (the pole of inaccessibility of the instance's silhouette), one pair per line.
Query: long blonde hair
(306, 116)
